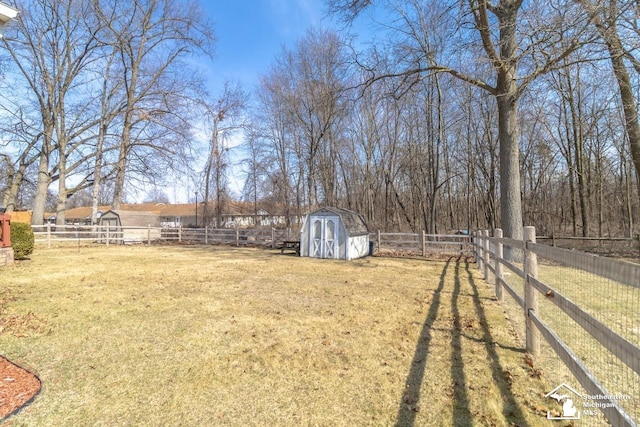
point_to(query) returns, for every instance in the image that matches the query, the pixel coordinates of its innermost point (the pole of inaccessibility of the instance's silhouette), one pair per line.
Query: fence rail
(51, 235)
(422, 243)
(418, 243)
(610, 325)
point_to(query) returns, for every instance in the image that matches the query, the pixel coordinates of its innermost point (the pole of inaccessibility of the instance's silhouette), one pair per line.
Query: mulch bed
(17, 387)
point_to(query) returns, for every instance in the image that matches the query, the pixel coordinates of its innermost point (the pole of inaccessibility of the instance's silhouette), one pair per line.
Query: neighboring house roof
(82, 212)
(79, 213)
(165, 210)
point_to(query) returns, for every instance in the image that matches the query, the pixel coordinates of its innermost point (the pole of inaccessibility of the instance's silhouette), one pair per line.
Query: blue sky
(251, 33)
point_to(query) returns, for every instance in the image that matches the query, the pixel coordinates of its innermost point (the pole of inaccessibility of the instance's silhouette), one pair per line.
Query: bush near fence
(587, 309)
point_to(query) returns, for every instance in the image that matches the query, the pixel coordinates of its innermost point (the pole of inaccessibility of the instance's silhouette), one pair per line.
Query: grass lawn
(162, 335)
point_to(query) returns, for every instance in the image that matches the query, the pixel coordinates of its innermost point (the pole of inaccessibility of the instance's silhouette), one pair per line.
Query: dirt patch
(17, 387)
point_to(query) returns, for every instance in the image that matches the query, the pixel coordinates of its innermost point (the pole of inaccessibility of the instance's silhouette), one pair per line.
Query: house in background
(235, 215)
(76, 216)
(129, 226)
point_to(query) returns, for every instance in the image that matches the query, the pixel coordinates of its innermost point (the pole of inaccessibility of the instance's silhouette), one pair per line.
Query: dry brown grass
(151, 336)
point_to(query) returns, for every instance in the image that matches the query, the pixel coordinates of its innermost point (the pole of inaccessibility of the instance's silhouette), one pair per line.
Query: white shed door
(324, 237)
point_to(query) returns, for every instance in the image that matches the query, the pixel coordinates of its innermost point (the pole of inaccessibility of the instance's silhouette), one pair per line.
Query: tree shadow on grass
(461, 413)
(462, 416)
(411, 396)
(510, 408)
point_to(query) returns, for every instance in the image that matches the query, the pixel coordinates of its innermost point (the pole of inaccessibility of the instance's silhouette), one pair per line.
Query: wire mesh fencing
(582, 323)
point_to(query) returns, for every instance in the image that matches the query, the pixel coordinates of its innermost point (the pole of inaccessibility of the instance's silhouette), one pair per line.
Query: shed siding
(351, 238)
(358, 247)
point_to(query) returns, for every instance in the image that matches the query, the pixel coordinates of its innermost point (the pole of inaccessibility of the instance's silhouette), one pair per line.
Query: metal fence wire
(587, 310)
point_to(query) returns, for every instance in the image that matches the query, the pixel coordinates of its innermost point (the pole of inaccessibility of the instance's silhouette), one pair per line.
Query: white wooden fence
(51, 235)
(418, 243)
(490, 254)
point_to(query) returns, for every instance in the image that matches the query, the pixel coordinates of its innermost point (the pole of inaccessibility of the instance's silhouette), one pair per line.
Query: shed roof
(353, 222)
(135, 218)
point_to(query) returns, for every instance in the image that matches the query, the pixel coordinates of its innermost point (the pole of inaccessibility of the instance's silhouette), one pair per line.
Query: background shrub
(22, 240)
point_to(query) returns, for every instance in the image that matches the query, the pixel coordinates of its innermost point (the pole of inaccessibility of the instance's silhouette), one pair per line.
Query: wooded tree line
(460, 114)
(463, 114)
(97, 94)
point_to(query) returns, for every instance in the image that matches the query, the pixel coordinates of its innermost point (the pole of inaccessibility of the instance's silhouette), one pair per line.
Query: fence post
(474, 241)
(206, 234)
(180, 233)
(107, 234)
(424, 244)
(48, 235)
(237, 236)
(273, 237)
(148, 234)
(530, 293)
(498, 264)
(5, 230)
(379, 242)
(479, 249)
(485, 254)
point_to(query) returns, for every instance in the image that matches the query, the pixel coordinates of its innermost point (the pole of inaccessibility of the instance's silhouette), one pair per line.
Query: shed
(334, 233)
(131, 226)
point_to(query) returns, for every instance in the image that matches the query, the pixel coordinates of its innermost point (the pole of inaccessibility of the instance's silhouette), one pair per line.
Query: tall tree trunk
(97, 173)
(605, 20)
(15, 179)
(207, 175)
(123, 153)
(628, 105)
(61, 204)
(121, 170)
(510, 198)
(42, 189)
(577, 136)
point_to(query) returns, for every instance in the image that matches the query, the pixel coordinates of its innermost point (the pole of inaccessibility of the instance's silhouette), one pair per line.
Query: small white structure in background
(7, 13)
(130, 226)
(334, 233)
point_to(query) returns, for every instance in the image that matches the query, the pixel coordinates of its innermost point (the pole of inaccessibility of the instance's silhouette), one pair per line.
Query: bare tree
(52, 47)
(605, 15)
(316, 76)
(156, 195)
(225, 116)
(14, 172)
(273, 124)
(110, 108)
(152, 38)
(510, 45)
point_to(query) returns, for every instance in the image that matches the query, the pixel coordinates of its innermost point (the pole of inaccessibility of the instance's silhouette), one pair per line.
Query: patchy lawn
(164, 335)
